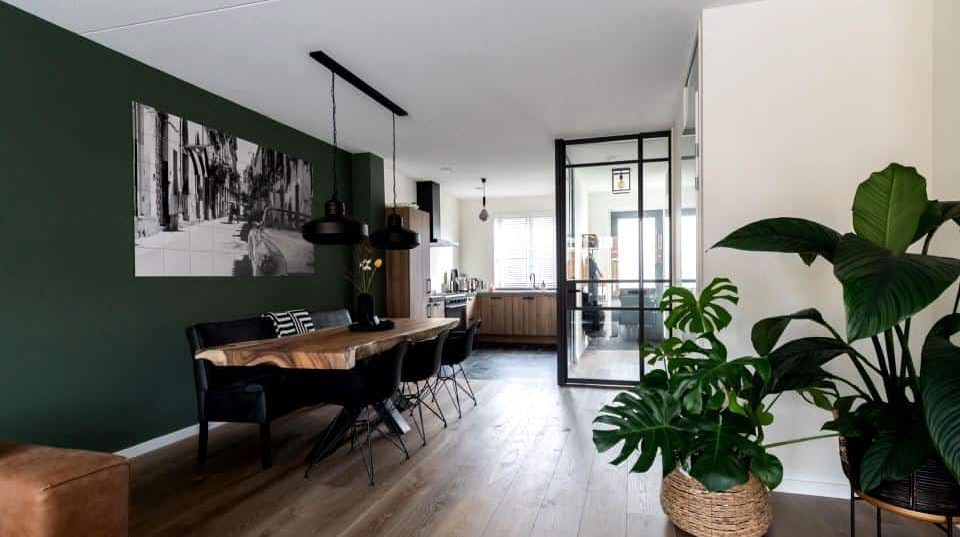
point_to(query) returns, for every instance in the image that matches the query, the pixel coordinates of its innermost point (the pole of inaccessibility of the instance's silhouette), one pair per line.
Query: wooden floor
(520, 464)
(607, 365)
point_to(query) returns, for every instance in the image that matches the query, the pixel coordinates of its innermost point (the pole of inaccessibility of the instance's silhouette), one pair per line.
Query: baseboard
(815, 488)
(518, 340)
(162, 441)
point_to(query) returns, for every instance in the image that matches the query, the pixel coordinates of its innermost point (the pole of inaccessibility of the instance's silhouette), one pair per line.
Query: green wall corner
(90, 356)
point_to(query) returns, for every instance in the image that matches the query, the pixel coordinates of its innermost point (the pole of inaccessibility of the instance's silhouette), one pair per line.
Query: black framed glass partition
(613, 253)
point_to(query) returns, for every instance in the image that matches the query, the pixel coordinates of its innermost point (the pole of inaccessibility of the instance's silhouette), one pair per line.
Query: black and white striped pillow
(288, 323)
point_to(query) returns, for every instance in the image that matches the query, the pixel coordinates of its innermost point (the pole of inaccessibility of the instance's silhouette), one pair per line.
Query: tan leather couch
(53, 492)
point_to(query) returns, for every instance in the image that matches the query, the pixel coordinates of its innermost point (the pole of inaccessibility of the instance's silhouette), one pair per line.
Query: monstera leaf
(767, 468)
(642, 418)
(786, 235)
(940, 389)
(766, 333)
(716, 461)
(703, 314)
(888, 205)
(882, 288)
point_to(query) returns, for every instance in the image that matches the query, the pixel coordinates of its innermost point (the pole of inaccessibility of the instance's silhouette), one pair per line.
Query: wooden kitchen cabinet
(524, 315)
(473, 311)
(408, 271)
(518, 318)
(546, 315)
(497, 315)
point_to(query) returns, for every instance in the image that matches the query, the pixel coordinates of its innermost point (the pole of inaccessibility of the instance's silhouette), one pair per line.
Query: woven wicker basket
(743, 511)
(929, 490)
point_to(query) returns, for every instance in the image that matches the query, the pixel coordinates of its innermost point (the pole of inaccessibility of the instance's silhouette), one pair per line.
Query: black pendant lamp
(395, 236)
(484, 215)
(335, 227)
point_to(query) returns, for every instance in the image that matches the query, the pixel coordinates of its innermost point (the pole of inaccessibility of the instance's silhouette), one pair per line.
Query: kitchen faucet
(533, 280)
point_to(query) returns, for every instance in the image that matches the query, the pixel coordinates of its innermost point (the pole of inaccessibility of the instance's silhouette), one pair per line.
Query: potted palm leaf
(899, 417)
(704, 414)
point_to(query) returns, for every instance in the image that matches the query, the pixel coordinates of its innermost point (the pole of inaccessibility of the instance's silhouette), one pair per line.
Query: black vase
(366, 312)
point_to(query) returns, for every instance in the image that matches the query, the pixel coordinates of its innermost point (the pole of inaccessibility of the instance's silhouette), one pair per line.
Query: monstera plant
(700, 410)
(904, 410)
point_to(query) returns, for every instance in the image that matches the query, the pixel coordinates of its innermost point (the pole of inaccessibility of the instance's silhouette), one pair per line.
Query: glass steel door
(613, 258)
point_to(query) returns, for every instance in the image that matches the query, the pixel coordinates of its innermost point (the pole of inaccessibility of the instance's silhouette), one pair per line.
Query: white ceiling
(489, 84)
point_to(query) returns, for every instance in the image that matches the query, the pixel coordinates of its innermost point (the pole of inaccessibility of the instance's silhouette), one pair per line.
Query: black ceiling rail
(357, 82)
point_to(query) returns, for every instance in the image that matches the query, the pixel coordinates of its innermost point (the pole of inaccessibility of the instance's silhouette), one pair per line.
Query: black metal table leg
(879, 527)
(334, 435)
(391, 417)
(853, 513)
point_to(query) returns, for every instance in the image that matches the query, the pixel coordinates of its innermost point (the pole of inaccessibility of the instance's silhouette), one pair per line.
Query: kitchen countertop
(518, 292)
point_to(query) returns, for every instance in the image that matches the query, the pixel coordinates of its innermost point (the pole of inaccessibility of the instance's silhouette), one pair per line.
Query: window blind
(524, 245)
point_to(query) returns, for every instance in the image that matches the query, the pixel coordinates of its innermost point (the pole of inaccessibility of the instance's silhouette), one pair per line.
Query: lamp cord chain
(333, 101)
(394, 163)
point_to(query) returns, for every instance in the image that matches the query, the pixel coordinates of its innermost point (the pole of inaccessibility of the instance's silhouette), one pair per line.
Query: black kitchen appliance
(455, 307)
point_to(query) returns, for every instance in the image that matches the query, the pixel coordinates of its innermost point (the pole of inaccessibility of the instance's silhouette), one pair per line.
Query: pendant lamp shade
(484, 215)
(395, 236)
(335, 226)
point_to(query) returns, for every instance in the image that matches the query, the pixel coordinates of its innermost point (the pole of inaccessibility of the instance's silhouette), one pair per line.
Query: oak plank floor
(520, 464)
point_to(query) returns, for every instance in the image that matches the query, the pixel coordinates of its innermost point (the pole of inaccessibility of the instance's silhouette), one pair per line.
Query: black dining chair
(255, 394)
(456, 350)
(419, 369)
(361, 391)
(330, 318)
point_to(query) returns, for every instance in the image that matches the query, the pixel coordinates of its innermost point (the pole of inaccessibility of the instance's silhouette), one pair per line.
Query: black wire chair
(373, 381)
(418, 376)
(456, 350)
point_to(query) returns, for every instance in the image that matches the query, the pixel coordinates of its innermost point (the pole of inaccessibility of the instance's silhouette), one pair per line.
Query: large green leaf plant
(905, 413)
(699, 408)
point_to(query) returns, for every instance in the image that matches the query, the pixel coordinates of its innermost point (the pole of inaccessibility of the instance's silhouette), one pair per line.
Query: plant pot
(929, 490)
(366, 312)
(743, 511)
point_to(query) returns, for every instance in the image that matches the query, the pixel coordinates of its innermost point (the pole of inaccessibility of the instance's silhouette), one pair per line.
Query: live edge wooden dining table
(334, 348)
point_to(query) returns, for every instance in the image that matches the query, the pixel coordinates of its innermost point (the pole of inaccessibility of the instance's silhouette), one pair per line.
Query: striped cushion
(288, 323)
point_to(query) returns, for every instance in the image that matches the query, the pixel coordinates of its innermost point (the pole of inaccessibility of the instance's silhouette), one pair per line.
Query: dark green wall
(91, 357)
(368, 205)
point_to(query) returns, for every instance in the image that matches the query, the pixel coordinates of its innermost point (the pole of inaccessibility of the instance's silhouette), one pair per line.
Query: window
(524, 245)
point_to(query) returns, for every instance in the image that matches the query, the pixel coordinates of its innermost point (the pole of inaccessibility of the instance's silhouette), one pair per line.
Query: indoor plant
(705, 414)
(366, 271)
(900, 422)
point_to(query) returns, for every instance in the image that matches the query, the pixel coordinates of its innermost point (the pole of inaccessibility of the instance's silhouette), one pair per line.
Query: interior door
(611, 259)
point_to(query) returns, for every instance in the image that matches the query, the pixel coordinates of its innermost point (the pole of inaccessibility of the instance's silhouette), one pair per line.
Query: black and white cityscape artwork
(207, 203)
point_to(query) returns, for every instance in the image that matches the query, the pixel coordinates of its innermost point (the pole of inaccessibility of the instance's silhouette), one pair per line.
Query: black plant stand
(855, 497)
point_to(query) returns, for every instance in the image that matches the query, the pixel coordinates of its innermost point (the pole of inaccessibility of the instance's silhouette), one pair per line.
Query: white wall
(946, 97)
(802, 99)
(945, 182)
(446, 258)
(406, 186)
(476, 237)
(441, 259)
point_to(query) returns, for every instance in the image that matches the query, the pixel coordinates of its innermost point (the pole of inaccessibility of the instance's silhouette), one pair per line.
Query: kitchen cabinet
(524, 315)
(546, 315)
(473, 313)
(408, 271)
(497, 315)
(435, 310)
(518, 317)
